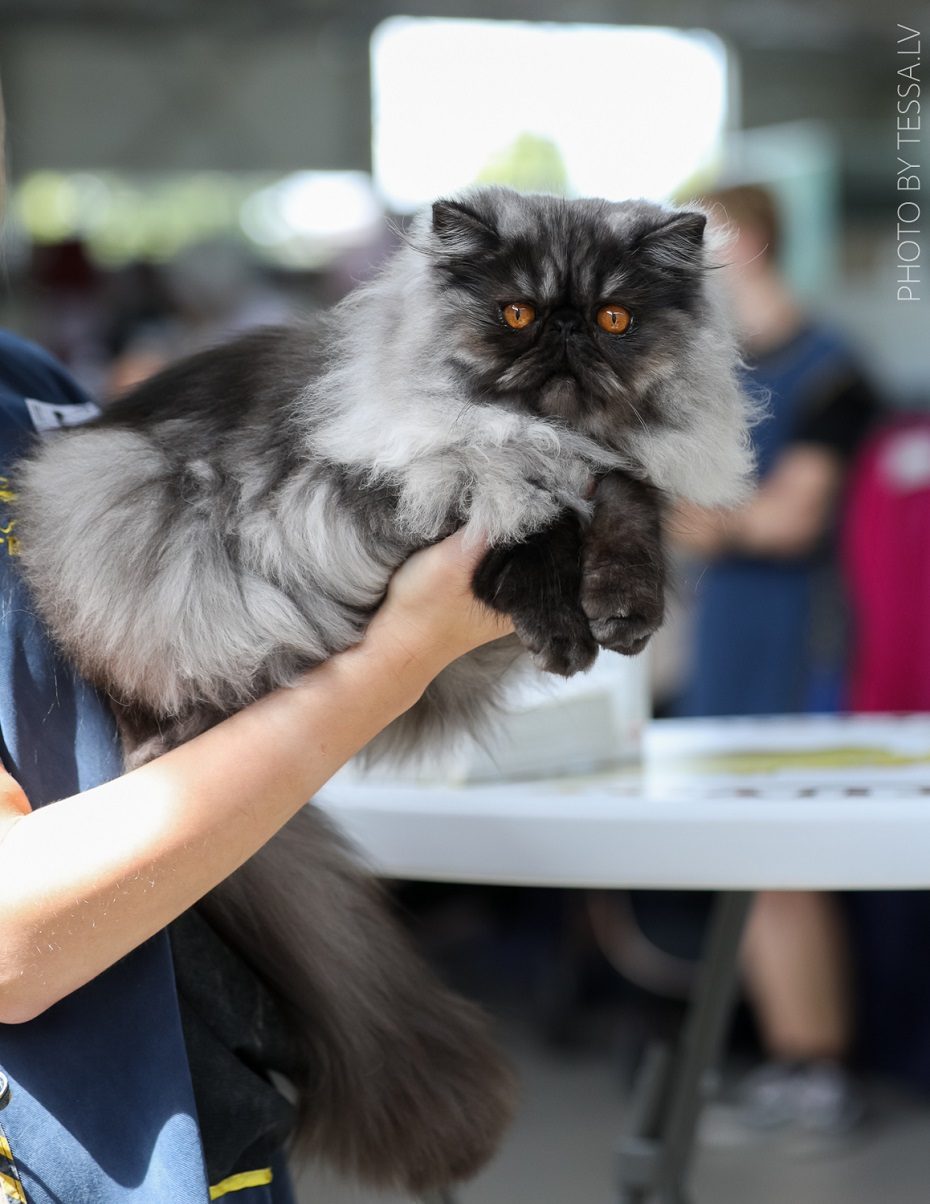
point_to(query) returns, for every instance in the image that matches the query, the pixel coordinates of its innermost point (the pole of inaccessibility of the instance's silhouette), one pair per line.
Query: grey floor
(559, 1151)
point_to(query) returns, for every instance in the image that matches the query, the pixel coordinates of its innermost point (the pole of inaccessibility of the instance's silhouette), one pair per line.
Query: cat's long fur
(237, 519)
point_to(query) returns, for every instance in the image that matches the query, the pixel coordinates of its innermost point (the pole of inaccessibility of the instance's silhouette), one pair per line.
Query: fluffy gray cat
(542, 371)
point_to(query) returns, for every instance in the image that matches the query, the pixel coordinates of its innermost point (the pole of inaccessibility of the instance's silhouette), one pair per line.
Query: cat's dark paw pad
(625, 606)
(622, 635)
(563, 645)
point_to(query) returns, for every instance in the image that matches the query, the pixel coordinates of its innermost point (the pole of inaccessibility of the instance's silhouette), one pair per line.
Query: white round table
(820, 803)
(731, 805)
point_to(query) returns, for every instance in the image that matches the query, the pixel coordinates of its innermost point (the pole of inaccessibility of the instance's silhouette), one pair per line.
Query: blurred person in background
(66, 296)
(207, 292)
(769, 638)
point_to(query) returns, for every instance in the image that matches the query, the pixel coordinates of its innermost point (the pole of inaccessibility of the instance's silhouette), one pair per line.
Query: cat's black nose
(564, 321)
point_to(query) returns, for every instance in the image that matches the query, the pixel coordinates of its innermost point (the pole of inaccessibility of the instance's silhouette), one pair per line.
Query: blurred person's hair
(751, 205)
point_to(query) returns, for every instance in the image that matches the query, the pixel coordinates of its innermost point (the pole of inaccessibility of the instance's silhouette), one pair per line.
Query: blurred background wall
(112, 104)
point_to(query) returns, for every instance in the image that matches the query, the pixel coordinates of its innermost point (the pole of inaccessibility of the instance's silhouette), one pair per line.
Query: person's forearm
(781, 526)
(86, 879)
(786, 518)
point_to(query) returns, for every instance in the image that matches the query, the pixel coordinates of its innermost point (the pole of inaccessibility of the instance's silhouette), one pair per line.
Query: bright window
(585, 110)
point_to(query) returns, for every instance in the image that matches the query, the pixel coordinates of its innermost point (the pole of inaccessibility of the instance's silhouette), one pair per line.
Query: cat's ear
(462, 230)
(676, 244)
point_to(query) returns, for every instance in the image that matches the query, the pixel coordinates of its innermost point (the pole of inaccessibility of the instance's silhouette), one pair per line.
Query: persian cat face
(577, 310)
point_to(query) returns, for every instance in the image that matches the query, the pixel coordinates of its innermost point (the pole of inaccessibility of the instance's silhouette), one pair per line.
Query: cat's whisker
(642, 421)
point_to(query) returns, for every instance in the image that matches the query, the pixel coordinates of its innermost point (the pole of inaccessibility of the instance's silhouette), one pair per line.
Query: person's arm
(791, 510)
(786, 516)
(86, 879)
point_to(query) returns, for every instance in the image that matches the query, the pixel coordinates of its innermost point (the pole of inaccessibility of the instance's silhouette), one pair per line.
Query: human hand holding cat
(13, 800)
(430, 616)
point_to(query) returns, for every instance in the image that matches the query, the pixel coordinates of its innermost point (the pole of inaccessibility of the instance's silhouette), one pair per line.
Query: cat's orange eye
(518, 314)
(614, 319)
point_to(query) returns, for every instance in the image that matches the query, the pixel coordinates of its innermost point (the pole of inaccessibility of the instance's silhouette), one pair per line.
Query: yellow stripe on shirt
(12, 1190)
(240, 1182)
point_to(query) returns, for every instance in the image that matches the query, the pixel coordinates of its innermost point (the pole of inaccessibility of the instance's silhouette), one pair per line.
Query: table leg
(655, 1150)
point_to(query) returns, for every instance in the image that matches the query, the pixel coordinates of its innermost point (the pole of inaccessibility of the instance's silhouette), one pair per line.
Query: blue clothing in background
(755, 648)
(102, 1110)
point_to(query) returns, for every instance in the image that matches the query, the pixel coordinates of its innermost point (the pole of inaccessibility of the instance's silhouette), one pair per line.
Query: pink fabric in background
(886, 552)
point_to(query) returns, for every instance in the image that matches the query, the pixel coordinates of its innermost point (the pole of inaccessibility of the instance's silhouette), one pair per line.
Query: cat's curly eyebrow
(614, 284)
(549, 277)
(525, 282)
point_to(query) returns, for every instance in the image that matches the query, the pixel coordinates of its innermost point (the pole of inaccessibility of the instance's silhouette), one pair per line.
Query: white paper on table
(552, 727)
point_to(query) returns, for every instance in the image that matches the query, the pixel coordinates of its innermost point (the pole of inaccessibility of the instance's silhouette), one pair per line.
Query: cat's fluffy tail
(399, 1082)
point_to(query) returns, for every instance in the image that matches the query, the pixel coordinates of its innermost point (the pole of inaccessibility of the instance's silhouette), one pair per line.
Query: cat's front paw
(559, 643)
(624, 603)
(536, 583)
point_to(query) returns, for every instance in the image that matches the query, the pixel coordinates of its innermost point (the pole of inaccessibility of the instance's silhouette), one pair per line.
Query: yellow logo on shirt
(7, 539)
